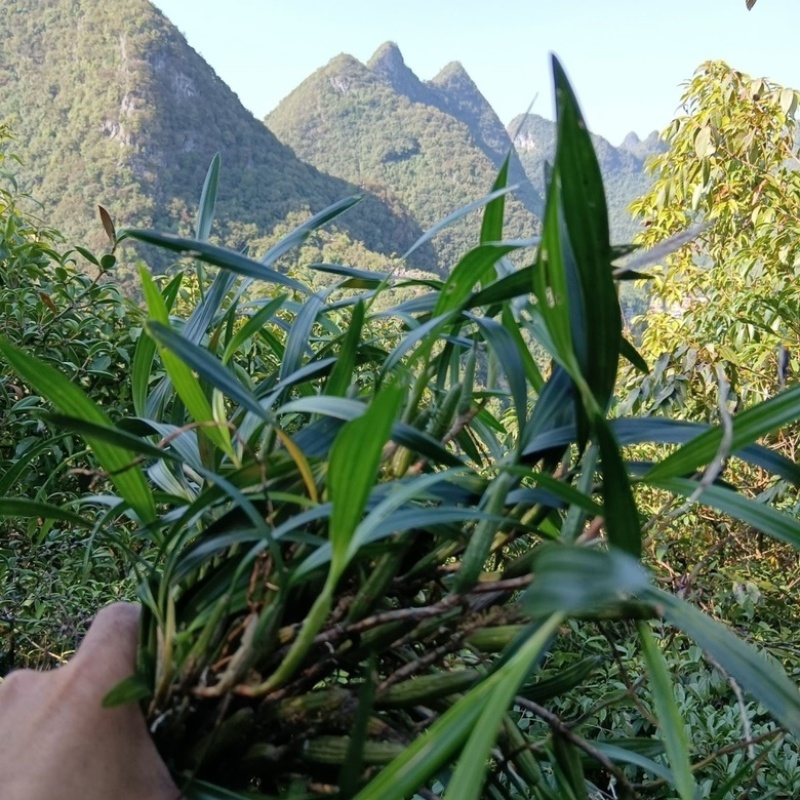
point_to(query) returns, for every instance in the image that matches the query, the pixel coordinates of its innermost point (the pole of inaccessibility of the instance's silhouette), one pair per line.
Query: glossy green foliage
(382, 522)
(57, 306)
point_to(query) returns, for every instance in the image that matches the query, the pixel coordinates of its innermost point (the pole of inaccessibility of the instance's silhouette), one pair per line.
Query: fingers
(110, 644)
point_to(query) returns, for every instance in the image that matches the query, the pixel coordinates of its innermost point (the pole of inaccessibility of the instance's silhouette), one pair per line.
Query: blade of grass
(218, 256)
(22, 507)
(586, 218)
(456, 215)
(494, 213)
(619, 507)
(748, 426)
(777, 524)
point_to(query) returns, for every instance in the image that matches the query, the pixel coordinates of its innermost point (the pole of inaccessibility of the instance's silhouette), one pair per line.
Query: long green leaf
(183, 379)
(219, 256)
(620, 751)
(748, 426)
(353, 468)
(22, 507)
(208, 201)
(777, 524)
(252, 326)
(470, 773)
(426, 755)
(529, 365)
(505, 348)
(300, 335)
(142, 367)
(191, 394)
(118, 462)
(586, 220)
(303, 231)
(494, 213)
(759, 675)
(670, 722)
(475, 266)
(111, 435)
(456, 215)
(619, 507)
(385, 519)
(517, 284)
(337, 407)
(550, 284)
(201, 361)
(665, 431)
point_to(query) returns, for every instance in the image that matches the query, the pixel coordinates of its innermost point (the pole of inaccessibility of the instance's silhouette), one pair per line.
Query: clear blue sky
(626, 58)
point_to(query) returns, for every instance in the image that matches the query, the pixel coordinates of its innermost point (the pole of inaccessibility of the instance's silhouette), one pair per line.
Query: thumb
(109, 648)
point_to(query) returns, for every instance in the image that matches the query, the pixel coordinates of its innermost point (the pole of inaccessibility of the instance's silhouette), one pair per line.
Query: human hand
(56, 739)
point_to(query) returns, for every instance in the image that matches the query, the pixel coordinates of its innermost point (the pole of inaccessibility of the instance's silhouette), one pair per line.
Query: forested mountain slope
(110, 105)
(623, 167)
(425, 147)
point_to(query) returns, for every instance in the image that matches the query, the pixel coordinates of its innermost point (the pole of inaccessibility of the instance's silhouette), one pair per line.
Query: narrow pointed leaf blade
(24, 508)
(494, 213)
(670, 722)
(118, 462)
(202, 362)
(475, 266)
(748, 426)
(218, 256)
(208, 201)
(456, 215)
(470, 773)
(586, 218)
(109, 434)
(579, 579)
(757, 674)
(427, 754)
(777, 524)
(505, 349)
(619, 507)
(302, 232)
(353, 468)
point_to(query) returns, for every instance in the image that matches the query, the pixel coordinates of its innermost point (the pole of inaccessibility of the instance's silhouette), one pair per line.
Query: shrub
(52, 578)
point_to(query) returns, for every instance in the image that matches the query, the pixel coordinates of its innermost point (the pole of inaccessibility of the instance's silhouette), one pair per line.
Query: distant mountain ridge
(623, 168)
(429, 147)
(454, 92)
(110, 105)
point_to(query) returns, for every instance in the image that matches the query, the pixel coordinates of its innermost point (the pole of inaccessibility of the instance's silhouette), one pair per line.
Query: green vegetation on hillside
(111, 106)
(426, 148)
